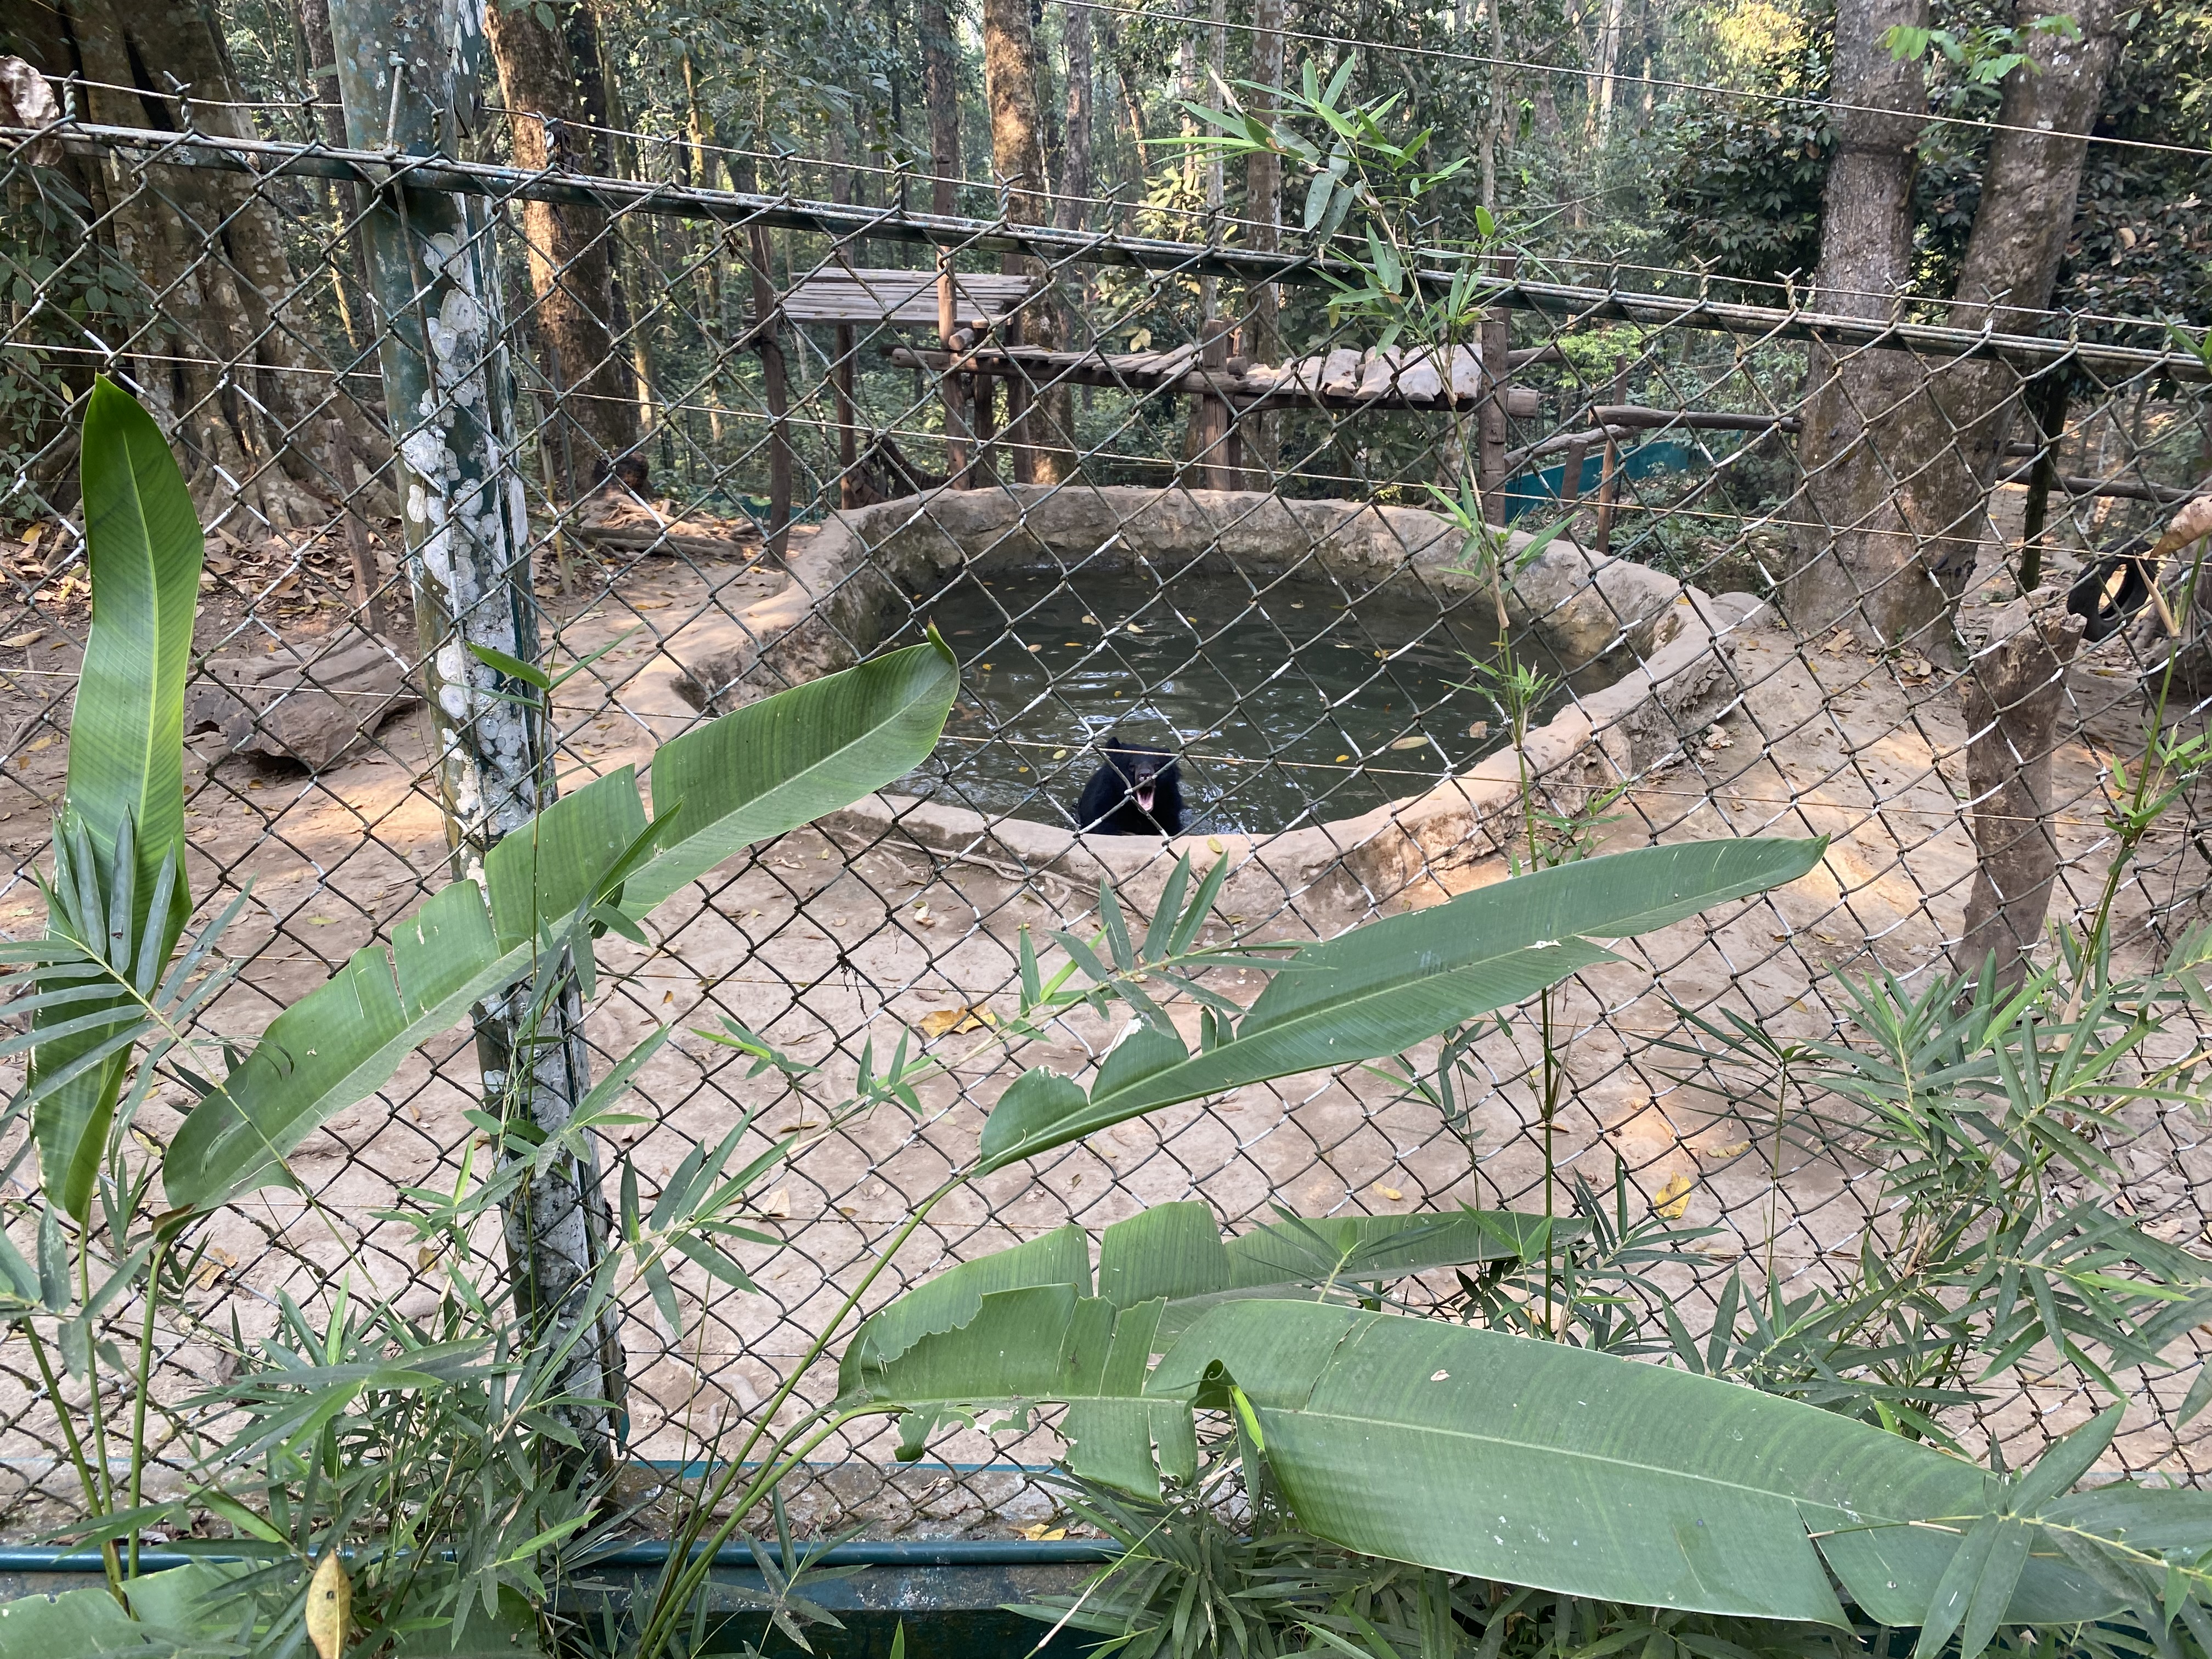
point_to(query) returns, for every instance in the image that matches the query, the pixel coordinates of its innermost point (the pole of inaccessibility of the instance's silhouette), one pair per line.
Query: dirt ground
(819, 946)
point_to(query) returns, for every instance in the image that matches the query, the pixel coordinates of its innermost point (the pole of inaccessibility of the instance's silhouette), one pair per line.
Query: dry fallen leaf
(777, 1205)
(17, 642)
(1042, 1534)
(939, 1021)
(1671, 1200)
(329, 1607)
(1390, 1193)
(1213, 844)
(1734, 1149)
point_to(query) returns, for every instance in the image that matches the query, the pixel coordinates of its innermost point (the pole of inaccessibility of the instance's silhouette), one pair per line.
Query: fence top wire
(265, 158)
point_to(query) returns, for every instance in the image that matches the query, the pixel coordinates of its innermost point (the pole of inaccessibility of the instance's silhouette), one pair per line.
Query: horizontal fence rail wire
(1146, 488)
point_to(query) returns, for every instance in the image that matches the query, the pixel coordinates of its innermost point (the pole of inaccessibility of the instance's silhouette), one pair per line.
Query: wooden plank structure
(1347, 378)
(977, 318)
(962, 306)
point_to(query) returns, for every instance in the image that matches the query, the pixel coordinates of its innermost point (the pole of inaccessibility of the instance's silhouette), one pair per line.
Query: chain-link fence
(1147, 489)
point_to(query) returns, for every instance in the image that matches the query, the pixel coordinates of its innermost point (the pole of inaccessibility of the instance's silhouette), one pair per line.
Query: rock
(309, 702)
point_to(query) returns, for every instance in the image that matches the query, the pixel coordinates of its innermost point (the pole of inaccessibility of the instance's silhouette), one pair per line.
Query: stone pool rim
(865, 561)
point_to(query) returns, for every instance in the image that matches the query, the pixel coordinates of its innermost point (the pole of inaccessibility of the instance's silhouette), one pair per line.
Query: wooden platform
(908, 298)
(1346, 378)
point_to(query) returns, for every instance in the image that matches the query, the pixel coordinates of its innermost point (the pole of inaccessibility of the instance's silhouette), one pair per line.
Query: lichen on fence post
(407, 70)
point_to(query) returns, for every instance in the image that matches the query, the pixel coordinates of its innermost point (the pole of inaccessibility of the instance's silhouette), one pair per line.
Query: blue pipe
(898, 1553)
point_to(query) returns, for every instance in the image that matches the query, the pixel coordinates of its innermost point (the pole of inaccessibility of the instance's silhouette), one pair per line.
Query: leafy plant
(420, 1444)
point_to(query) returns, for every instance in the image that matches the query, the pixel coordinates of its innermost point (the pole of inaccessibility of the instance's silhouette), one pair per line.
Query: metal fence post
(408, 72)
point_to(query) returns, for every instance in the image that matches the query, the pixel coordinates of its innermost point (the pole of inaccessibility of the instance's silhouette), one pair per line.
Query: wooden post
(1021, 395)
(1608, 478)
(1210, 441)
(956, 415)
(1492, 435)
(1571, 478)
(767, 342)
(841, 388)
(983, 406)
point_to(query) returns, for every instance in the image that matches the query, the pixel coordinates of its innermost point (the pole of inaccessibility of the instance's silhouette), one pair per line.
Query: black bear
(1137, 792)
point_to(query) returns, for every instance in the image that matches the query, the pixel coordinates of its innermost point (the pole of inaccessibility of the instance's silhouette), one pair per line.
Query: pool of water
(1288, 699)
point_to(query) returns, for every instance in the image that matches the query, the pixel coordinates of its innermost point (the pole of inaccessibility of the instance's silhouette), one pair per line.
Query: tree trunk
(1899, 458)
(1041, 435)
(329, 116)
(1075, 155)
(1852, 552)
(568, 249)
(222, 363)
(2029, 185)
(1263, 339)
(2014, 692)
(940, 94)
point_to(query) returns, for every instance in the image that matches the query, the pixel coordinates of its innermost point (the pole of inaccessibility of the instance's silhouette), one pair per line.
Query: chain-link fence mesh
(1145, 489)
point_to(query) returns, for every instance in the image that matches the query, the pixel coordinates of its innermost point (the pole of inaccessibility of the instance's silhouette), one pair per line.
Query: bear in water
(1137, 792)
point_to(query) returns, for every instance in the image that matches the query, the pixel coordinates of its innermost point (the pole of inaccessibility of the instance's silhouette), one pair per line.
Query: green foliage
(1383, 987)
(118, 896)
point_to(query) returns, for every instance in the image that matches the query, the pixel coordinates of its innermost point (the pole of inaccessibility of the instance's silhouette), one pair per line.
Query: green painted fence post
(408, 73)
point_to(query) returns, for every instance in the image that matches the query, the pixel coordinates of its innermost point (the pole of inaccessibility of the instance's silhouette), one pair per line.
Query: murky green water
(1289, 699)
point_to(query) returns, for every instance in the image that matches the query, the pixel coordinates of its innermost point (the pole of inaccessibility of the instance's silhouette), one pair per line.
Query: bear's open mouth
(1144, 797)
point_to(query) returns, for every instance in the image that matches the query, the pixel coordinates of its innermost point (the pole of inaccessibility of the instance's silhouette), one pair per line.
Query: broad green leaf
(758, 772)
(1158, 1271)
(125, 785)
(1505, 1457)
(179, 1618)
(1381, 988)
(1537, 1463)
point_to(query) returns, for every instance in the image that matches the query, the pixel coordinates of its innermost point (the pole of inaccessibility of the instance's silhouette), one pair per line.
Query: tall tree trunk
(1075, 155)
(1010, 59)
(568, 249)
(1075, 171)
(1852, 550)
(940, 94)
(1263, 339)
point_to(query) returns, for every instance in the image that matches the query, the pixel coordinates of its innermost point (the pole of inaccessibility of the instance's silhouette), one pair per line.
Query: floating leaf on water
(1411, 743)
(1671, 1201)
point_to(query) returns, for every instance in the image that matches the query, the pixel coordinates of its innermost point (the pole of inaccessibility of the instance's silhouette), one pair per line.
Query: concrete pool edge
(867, 562)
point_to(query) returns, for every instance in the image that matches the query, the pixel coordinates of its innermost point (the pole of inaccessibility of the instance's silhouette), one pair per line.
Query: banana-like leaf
(1157, 1272)
(126, 788)
(755, 773)
(1383, 987)
(1497, 1456)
